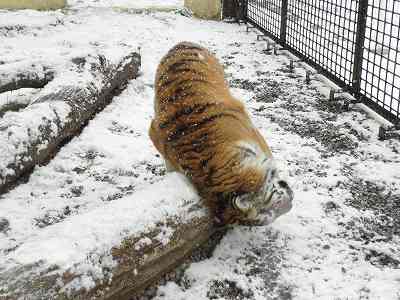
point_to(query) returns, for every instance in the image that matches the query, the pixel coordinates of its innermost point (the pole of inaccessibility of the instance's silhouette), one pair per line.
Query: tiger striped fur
(202, 131)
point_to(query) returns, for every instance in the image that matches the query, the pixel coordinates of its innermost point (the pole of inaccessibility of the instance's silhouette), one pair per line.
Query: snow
(109, 183)
(126, 3)
(330, 40)
(21, 96)
(67, 244)
(21, 129)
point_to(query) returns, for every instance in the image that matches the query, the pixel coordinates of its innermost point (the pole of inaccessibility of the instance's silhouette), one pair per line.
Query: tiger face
(272, 200)
(203, 132)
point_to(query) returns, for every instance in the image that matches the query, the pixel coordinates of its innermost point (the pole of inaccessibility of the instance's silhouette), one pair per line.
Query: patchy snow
(67, 244)
(23, 128)
(341, 239)
(21, 96)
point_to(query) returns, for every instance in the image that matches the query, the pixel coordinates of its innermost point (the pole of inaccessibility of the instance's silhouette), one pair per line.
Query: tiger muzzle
(277, 202)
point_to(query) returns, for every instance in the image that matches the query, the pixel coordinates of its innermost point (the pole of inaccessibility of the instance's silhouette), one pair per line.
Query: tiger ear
(241, 203)
(244, 205)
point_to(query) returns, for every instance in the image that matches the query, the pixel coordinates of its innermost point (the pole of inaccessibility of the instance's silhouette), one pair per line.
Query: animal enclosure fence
(354, 43)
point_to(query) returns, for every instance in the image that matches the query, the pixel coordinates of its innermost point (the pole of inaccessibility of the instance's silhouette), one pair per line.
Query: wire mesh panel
(324, 31)
(353, 42)
(266, 14)
(380, 75)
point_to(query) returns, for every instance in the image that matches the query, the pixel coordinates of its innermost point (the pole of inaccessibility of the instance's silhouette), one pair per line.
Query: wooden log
(33, 135)
(37, 76)
(162, 226)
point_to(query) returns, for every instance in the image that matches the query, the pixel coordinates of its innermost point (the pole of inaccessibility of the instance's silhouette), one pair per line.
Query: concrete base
(32, 4)
(205, 9)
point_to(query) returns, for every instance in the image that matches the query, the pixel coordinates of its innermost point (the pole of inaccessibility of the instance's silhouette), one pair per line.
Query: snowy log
(33, 135)
(111, 252)
(24, 75)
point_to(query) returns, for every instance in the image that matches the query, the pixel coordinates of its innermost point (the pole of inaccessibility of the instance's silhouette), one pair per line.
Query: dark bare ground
(266, 262)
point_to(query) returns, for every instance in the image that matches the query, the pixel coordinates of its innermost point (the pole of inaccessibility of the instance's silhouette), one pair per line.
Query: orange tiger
(202, 131)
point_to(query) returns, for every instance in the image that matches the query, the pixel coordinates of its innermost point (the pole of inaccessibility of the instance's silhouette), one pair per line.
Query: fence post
(228, 9)
(359, 47)
(245, 9)
(241, 9)
(284, 13)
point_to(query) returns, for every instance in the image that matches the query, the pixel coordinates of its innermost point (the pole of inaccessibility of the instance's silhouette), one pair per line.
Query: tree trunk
(33, 135)
(37, 77)
(137, 264)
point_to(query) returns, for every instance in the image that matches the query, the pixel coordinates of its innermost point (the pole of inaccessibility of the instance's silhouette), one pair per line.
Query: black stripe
(175, 78)
(187, 46)
(174, 67)
(223, 174)
(181, 95)
(204, 162)
(198, 144)
(171, 54)
(195, 109)
(202, 138)
(183, 89)
(188, 128)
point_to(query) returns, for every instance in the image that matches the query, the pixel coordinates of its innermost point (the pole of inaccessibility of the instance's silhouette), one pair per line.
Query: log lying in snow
(112, 252)
(37, 76)
(32, 136)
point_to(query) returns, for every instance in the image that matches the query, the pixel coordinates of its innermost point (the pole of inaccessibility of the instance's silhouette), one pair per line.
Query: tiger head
(271, 200)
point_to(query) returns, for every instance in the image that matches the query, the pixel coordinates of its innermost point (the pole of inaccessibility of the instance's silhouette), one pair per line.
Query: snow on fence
(354, 43)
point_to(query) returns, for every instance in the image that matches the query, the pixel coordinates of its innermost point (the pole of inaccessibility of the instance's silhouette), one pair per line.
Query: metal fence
(355, 43)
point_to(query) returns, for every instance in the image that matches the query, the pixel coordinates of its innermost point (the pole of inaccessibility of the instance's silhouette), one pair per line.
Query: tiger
(205, 133)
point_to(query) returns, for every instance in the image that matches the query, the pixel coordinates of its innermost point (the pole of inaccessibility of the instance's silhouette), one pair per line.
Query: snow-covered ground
(126, 3)
(341, 239)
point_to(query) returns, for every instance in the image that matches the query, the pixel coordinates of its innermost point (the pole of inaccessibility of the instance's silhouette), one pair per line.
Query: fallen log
(37, 76)
(112, 252)
(34, 134)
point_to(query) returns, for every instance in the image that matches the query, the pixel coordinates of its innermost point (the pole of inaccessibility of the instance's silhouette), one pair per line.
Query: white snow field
(341, 239)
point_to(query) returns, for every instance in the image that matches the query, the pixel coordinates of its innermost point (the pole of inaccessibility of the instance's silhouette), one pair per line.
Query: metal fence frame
(273, 20)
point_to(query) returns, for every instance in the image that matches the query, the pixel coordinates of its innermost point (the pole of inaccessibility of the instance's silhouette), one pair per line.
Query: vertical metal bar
(245, 8)
(284, 14)
(241, 10)
(359, 47)
(228, 9)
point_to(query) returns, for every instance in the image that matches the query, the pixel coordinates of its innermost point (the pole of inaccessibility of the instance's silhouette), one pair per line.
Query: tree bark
(32, 136)
(137, 265)
(37, 77)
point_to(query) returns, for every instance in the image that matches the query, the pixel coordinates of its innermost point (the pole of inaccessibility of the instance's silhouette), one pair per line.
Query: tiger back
(202, 131)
